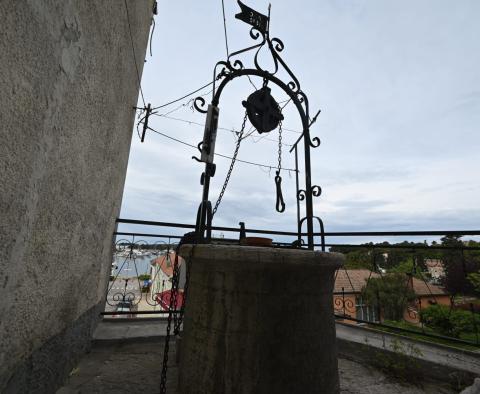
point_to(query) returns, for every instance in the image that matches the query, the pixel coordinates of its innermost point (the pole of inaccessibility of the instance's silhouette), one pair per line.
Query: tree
(390, 294)
(358, 259)
(448, 321)
(474, 279)
(457, 266)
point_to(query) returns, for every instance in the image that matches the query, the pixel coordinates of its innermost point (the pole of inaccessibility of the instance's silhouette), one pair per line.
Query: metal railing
(430, 291)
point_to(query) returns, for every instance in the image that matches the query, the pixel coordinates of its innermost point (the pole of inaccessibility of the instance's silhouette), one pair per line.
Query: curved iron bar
(293, 90)
(254, 34)
(124, 296)
(302, 108)
(275, 45)
(301, 195)
(295, 84)
(322, 229)
(120, 243)
(198, 107)
(132, 246)
(315, 142)
(316, 191)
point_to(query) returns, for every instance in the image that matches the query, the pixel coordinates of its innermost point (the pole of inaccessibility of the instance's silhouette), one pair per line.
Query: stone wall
(68, 84)
(408, 358)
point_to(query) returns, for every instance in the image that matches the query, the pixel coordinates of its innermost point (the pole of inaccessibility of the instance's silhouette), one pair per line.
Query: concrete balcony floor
(132, 362)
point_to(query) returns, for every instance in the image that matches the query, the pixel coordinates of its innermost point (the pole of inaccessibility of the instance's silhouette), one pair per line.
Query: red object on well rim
(165, 297)
(256, 241)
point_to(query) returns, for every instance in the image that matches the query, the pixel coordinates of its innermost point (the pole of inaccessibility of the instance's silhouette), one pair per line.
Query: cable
(216, 154)
(134, 55)
(251, 82)
(182, 105)
(288, 101)
(181, 98)
(219, 128)
(225, 28)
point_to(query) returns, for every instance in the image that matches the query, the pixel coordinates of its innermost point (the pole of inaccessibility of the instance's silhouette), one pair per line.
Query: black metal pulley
(263, 111)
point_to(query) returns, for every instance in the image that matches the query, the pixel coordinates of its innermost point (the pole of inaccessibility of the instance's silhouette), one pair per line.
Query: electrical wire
(217, 154)
(251, 82)
(219, 128)
(182, 105)
(225, 27)
(288, 101)
(185, 96)
(134, 55)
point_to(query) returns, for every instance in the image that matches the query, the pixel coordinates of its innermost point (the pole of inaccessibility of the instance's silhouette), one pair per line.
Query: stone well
(259, 320)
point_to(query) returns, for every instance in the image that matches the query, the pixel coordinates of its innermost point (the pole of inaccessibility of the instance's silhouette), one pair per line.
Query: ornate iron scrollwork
(316, 191)
(199, 103)
(266, 117)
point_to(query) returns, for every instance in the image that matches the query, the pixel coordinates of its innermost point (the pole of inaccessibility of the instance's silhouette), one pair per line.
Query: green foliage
(402, 361)
(462, 269)
(144, 277)
(358, 259)
(474, 279)
(458, 266)
(390, 293)
(447, 321)
(408, 267)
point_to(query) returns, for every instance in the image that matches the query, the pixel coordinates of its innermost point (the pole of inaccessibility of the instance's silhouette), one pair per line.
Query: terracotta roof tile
(423, 289)
(352, 281)
(166, 263)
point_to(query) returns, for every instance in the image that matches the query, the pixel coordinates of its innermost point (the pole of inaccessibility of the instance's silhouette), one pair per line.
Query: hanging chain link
(232, 164)
(279, 147)
(188, 269)
(172, 306)
(280, 204)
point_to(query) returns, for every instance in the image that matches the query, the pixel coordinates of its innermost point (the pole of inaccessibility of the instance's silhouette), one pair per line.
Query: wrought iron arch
(230, 71)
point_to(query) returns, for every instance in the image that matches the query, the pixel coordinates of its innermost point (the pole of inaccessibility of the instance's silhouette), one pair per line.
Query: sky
(398, 84)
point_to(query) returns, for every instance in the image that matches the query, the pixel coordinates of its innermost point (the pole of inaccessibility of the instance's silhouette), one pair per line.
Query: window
(364, 311)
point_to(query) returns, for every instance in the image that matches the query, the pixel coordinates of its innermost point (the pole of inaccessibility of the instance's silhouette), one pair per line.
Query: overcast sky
(398, 84)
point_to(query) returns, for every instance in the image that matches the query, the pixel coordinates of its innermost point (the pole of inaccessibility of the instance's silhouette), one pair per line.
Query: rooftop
(131, 365)
(165, 262)
(353, 281)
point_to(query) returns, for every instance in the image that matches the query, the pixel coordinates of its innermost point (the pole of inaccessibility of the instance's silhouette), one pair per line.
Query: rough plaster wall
(68, 85)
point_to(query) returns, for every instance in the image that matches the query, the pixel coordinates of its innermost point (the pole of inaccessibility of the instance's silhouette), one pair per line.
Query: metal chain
(279, 147)
(188, 268)
(232, 164)
(280, 204)
(172, 307)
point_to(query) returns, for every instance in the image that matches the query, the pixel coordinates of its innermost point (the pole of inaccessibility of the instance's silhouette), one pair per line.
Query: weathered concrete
(68, 84)
(134, 367)
(259, 320)
(439, 360)
(473, 389)
(118, 330)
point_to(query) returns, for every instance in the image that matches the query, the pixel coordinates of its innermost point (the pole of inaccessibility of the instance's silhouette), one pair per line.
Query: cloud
(399, 89)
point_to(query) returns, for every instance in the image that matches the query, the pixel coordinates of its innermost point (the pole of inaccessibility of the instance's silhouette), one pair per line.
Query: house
(435, 268)
(347, 295)
(161, 274)
(348, 301)
(427, 294)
